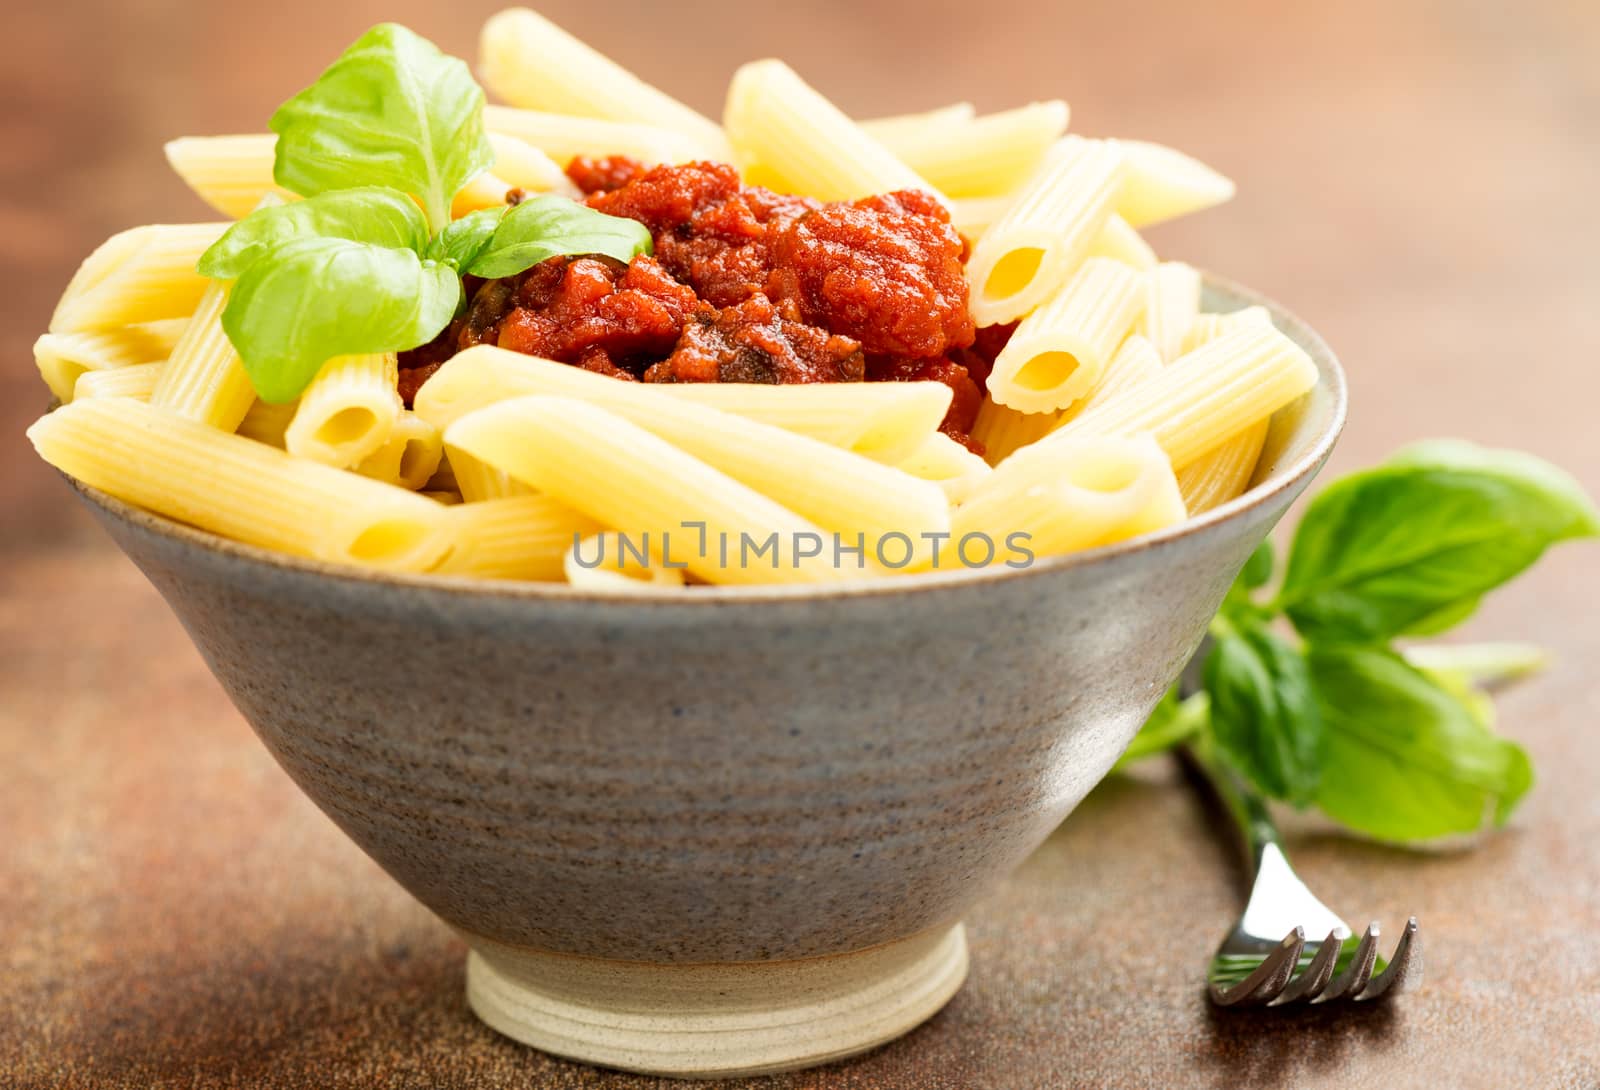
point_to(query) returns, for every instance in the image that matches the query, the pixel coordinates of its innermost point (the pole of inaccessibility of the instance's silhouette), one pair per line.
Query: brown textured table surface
(1417, 179)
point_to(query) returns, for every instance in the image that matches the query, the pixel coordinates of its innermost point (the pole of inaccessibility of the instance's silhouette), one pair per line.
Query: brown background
(1419, 180)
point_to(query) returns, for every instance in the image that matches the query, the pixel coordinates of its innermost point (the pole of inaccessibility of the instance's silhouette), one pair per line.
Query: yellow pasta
(1117, 239)
(136, 381)
(632, 481)
(803, 142)
(917, 126)
(514, 537)
(268, 423)
(884, 421)
(947, 463)
(972, 216)
(347, 412)
(477, 481)
(1172, 301)
(1221, 474)
(186, 470)
(1030, 251)
(1200, 401)
(1058, 352)
(142, 275)
(980, 156)
(204, 379)
(562, 137)
(517, 165)
(1134, 362)
(1208, 327)
(63, 357)
(530, 62)
(443, 496)
(1003, 430)
(613, 562)
(1087, 493)
(1160, 184)
(410, 455)
(230, 173)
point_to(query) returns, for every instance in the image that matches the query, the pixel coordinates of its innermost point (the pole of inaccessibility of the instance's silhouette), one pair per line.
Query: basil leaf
(1264, 712)
(1258, 569)
(551, 226)
(1409, 547)
(383, 217)
(1172, 722)
(459, 244)
(315, 298)
(1404, 758)
(391, 111)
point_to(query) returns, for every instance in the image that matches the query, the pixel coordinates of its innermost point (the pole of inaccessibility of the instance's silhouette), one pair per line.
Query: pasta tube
(186, 470)
(268, 423)
(1003, 430)
(1134, 362)
(478, 481)
(142, 275)
(530, 62)
(633, 481)
(1208, 327)
(347, 412)
(1030, 251)
(1058, 353)
(410, 455)
(803, 142)
(947, 463)
(917, 126)
(1161, 183)
(1118, 240)
(1172, 302)
(137, 381)
(1219, 475)
(230, 173)
(611, 562)
(204, 379)
(561, 136)
(63, 357)
(980, 156)
(514, 537)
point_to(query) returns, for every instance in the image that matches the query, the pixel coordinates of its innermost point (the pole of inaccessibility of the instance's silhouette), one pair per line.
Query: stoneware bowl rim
(1330, 377)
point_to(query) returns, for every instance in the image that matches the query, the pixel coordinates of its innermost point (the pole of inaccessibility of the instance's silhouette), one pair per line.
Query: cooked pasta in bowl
(695, 559)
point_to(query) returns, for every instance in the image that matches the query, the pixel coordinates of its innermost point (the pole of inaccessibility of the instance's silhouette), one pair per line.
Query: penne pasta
(1134, 362)
(443, 496)
(884, 421)
(1003, 430)
(230, 173)
(632, 481)
(1118, 240)
(1172, 302)
(803, 142)
(514, 537)
(348, 411)
(477, 481)
(917, 126)
(980, 156)
(1030, 251)
(410, 455)
(146, 274)
(561, 137)
(1221, 474)
(189, 471)
(1208, 327)
(204, 379)
(62, 358)
(1087, 493)
(268, 423)
(1160, 184)
(517, 165)
(1058, 352)
(953, 467)
(137, 381)
(532, 63)
(972, 216)
(610, 562)
(1200, 401)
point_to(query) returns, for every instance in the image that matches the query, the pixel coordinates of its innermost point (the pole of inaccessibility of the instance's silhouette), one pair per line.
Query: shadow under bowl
(728, 831)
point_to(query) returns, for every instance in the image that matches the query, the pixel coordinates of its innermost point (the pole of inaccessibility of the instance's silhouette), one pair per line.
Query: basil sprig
(370, 261)
(1394, 743)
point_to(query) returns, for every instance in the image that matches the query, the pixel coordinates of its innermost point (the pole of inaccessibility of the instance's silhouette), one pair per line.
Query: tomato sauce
(745, 285)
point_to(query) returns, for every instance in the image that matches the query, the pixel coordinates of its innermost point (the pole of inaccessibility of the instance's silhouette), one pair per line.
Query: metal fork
(1267, 958)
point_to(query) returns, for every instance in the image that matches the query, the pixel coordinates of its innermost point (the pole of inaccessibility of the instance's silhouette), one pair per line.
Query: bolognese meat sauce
(745, 285)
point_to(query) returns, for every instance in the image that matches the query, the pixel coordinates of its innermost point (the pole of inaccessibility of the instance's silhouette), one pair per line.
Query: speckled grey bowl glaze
(723, 777)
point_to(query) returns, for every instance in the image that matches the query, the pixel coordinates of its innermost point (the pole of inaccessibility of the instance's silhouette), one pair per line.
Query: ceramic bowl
(728, 831)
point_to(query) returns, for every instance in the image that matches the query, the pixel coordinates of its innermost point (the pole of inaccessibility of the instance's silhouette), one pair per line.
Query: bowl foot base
(711, 1021)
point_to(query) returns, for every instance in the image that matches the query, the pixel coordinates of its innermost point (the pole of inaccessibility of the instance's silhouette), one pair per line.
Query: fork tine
(1310, 983)
(1268, 979)
(1405, 968)
(1351, 982)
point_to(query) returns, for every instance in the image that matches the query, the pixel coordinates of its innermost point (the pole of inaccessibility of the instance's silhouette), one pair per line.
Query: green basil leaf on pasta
(1264, 712)
(374, 214)
(460, 244)
(1411, 546)
(391, 111)
(315, 298)
(550, 226)
(1405, 758)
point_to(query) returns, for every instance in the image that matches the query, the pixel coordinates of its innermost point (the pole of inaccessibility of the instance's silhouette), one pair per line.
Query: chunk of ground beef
(756, 342)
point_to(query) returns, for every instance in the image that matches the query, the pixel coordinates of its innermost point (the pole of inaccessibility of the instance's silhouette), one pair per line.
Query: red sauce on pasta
(745, 285)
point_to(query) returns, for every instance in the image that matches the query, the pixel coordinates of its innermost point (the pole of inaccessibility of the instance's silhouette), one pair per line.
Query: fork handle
(1248, 809)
